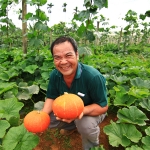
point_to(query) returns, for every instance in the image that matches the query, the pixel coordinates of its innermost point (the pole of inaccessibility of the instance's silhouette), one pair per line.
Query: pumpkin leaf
(122, 98)
(138, 82)
(145, 141)
(133, 147)
(31, 68)
(138, 93)
(147, 131)
(45, 75)
(4, 76)
(4, 86)
(119, 80)
(9, 108)
(98, 148)
(33, 89)
(145, 104)
(18, 138)
(122, 134)
(3, 126)
(132, 115)
(39, 105)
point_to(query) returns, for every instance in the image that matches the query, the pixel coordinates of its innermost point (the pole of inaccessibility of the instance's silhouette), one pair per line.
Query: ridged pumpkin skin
(68, 106)
(36, 121)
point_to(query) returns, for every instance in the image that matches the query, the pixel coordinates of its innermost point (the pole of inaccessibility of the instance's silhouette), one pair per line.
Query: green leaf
(45, 75)
(101, 3)
(81, 30)
(14, 121)
(90, 36)
(133, 147)
(145, 141)
(132, 115)
(43, 86)
(138, 82)
(33, 89)
(122, 98)
(31, 68)
(84, 14)
(4, 76)
(84, 51)
(10, 108)
(23, 95)
(139, 93)
(4, 86)
(98, 148)
(18, 138)
(40, 26)
(41, 15)
(39, 105)
(10, 94)
(3, 126)
(147, 131)
(122, 134)
(145, 104)
(119, 80)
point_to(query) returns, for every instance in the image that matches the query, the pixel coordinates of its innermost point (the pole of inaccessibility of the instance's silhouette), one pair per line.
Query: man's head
(65, 54)
(64, 39)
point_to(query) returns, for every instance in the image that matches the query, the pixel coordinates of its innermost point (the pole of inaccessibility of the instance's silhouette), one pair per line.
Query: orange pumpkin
(36, 121)
(68, 106)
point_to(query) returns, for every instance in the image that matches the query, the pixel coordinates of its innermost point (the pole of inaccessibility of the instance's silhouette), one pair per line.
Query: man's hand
(70, 120)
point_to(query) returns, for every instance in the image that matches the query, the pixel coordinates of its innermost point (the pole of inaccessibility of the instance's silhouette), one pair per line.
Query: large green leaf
(134, 147)
(25, 92)
(45, 75)
(4, 86)
(84, 51)
(138, 82)
(120, 79)
(101, 3)
(122, 134)
(4, 76)
(145, 104)
(122, 98)
(10, 108)
(146, 142)
(33, 89)
(31, 68)
(3, 126)
(18, 138)
(147, 131)
(39, 105)
(139, 93)
(132, 115)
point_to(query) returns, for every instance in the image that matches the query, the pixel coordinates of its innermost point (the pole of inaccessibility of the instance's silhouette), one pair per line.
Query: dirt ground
(51, 139)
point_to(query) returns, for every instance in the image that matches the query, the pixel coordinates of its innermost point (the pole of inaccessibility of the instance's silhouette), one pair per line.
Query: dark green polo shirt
(88, 83)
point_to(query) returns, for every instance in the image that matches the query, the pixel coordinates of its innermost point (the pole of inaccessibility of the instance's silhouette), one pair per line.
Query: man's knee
(87, 125)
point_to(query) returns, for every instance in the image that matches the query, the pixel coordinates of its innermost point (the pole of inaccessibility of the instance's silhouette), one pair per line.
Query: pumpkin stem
(65, 93)
(38, 111)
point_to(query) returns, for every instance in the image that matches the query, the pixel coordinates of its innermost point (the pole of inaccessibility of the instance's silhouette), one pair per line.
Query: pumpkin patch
(36, 121)
(68, 106)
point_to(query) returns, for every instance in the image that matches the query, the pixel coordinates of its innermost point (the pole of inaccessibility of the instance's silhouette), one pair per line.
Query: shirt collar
(78, 72)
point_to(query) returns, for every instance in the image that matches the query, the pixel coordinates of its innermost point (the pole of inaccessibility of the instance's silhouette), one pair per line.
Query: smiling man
(85, 81)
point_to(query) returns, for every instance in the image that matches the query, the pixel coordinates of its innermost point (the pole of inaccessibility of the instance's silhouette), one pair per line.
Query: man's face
(65, 59)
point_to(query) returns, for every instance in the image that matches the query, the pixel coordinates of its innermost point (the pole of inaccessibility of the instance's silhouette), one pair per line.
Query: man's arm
(94, 110)
(48, 106)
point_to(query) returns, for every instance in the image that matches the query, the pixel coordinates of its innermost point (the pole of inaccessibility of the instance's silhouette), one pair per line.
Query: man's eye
(57, 58)
(69, 56)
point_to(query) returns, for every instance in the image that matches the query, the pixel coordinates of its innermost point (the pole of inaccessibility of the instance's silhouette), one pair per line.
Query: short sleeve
(52, 91)
(98, 91)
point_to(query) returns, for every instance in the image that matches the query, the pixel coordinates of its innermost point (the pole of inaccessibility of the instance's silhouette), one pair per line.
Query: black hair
(63, 39)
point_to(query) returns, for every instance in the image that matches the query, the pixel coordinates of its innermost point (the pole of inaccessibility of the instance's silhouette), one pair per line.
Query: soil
(51, 139)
